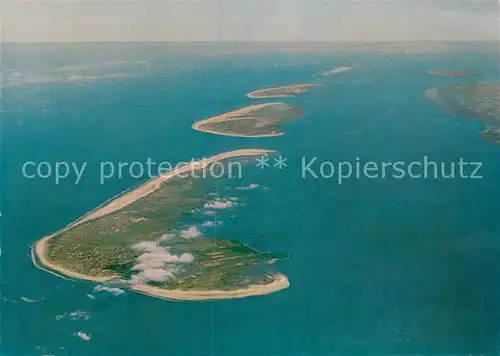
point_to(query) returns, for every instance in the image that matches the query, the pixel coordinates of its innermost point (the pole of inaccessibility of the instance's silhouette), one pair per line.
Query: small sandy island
(452, 73)
(39, 249)
(255, 121)
(285, 91)
(337, 71)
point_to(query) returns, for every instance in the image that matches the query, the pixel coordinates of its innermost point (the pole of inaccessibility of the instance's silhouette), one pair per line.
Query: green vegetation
(472, 100)
(220, 265)
(259, 122)
(93, 247)
(105, 246)
(281, 92)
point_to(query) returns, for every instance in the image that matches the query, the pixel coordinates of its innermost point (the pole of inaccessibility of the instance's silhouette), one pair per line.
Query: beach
(285, 91)
(337, 70)
(280, 282)
(235, 114)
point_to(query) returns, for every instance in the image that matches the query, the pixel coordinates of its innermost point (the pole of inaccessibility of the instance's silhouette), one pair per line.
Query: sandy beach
(39, 259)
(291, 91)
(337, 70)
(280, 282)
(236, 113)
(39, 249)
(452, 73)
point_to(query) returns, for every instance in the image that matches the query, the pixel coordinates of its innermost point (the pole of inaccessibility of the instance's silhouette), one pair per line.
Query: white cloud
(76, 315)
(211, 223)
(163, 274)
(219, 204)
(28, 300)
(190, 232)
(79, 315)
(112, 290)
(160, 258)
(157, 263)
(155, 275)
(82, 335)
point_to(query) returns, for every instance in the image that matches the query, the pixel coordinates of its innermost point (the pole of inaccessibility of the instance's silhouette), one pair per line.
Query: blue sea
(376, 266)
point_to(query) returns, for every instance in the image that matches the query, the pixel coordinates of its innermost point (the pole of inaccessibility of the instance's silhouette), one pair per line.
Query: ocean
(376, 265)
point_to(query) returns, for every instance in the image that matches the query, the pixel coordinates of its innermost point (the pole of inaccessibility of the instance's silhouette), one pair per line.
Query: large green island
(136, 242)
(479, 101)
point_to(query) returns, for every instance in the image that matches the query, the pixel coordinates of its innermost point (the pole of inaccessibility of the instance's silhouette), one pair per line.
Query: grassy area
(104, 246)
(287, 90)
(91, 248)
(262, 121)
(472, 100)
(221, 265)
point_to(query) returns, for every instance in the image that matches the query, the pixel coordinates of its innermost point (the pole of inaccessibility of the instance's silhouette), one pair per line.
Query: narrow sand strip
(293, 90)
(235, 114)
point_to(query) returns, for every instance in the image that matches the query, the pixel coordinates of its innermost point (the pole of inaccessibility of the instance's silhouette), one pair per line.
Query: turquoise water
(376, 266)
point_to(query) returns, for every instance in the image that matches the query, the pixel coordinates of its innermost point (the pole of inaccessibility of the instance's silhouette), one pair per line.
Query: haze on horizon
(247, 20)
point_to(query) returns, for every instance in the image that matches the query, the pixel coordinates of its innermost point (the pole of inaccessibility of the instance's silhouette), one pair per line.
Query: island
(480, 101)
(136, 242)
(261, 120)
(452, 73)
(285, 91)
(337, 71)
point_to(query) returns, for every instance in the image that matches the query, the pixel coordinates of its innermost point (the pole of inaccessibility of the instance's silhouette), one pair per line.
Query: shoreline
(296, 88)
(280, 282)
(229, 115)
(452, 73)
(39, 248)
(337, 70)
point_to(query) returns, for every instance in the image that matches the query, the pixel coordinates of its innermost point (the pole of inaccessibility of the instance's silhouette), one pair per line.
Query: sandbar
(236, 114)
(452, 73)
(337, 70)
(285, 91)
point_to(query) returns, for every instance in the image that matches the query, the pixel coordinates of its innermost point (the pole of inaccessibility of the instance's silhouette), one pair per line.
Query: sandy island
(452, 73)
(337, 70)
(39, 249)
(285, 91)
(235, 114)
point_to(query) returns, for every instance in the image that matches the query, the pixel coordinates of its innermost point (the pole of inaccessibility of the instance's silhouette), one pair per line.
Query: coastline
(280, 282)
(39, 248)
(297, 89)
(227, 116)
(337, 70)
(452, 73)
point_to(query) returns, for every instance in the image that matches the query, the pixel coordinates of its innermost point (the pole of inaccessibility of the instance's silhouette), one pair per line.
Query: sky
(249, 20)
